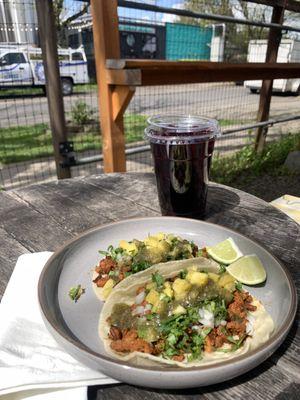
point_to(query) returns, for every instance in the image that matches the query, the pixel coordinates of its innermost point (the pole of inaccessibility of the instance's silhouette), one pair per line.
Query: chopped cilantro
(236, 343)
(158, 280)
(238, 286)
(140, 266)
(222, 268)
(200, 253)
(183, 274)
(75, 292)
(205, 331)
(112, 252)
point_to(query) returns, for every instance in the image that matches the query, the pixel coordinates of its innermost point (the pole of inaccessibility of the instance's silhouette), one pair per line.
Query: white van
(22, 66)
(289, 51)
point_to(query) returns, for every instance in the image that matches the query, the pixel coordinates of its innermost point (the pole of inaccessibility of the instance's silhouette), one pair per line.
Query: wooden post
(48, 40)
(107, 46)
(266, 88)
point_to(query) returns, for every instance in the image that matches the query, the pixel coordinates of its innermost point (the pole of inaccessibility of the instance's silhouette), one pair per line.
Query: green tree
(237, 36)
(61, 23)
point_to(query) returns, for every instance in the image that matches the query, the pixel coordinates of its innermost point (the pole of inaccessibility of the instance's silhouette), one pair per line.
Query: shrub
(81, 113)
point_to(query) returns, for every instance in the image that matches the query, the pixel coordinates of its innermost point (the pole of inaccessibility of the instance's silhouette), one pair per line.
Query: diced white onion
(249, 325)
(236, 337)
(140, 297)
(206, 317)
(201, 312)
(148, 307)
(207, 322)
(138, 310)
(223, 322)
(196, 327)
(208, 314)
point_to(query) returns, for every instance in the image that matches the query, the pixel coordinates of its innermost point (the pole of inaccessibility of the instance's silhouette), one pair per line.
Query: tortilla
(125, 292)
(168, 266)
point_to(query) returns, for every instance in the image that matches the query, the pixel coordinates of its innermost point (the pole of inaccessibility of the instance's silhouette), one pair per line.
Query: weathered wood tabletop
(42, 217)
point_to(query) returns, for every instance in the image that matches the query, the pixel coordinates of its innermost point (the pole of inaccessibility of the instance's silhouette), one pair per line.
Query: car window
(13, 58)
(77, 56)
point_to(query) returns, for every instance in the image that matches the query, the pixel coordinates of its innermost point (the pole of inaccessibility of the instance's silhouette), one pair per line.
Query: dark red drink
(182, 148)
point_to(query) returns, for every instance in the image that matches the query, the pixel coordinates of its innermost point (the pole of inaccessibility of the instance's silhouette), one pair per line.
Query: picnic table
(42, 217)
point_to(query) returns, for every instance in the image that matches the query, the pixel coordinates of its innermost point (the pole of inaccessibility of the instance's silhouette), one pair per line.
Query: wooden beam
(130, 77)
(107, 45)
(147, 73)
(48, 40)
(121, 97)
(267, 85)
(289, 5)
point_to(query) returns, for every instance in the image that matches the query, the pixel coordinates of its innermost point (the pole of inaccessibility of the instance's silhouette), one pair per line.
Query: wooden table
(41, 217)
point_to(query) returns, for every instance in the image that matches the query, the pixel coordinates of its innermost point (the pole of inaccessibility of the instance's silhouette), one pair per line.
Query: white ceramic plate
(74, 325)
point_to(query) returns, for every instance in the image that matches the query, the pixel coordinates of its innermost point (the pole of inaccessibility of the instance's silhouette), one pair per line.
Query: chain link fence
(26, 154)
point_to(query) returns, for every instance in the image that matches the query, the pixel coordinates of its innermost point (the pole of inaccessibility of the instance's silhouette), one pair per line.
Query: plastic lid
(181, 129)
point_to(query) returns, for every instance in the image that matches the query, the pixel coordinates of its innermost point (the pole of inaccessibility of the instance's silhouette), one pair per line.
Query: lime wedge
(225, 252)
(248, 270)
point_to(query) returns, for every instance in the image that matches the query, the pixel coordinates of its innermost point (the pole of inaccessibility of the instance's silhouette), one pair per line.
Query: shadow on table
(126, 392)
(220, 200)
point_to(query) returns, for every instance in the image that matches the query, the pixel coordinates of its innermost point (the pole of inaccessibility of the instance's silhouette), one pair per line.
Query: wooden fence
(117, 79)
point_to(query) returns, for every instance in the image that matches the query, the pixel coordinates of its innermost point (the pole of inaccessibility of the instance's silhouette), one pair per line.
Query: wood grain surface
(42, 217)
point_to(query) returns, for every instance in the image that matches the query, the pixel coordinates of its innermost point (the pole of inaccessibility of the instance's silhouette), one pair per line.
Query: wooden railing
(160, 72)
(117, 78)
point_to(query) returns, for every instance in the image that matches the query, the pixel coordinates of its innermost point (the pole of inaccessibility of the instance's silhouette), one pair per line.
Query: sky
(73, 6)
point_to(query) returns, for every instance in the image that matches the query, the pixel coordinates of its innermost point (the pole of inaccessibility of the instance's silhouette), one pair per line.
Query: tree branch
(75, 16)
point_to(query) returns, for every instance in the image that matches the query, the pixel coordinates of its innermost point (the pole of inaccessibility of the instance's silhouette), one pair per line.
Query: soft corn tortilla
(168, 266)
(125, 292)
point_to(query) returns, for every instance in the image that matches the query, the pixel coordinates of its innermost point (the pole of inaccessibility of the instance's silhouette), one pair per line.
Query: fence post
(107, 46)
(48, 40)
(274, 39)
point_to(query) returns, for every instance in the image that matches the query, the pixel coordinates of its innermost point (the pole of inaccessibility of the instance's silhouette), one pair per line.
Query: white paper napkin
(32, 364)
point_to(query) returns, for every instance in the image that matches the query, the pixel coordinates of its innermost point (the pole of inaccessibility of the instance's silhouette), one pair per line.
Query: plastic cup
(182, 148)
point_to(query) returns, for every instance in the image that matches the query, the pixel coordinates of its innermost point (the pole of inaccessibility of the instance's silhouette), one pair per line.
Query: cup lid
(181, 129)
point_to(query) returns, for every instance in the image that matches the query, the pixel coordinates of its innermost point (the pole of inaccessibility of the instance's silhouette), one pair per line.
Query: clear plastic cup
(182, 148)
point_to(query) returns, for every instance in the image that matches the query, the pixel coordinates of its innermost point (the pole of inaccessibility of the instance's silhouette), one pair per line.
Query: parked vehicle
(289, 51)
(22, 66)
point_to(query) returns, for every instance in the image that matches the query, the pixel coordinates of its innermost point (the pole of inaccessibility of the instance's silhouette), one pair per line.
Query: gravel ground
(269, 187)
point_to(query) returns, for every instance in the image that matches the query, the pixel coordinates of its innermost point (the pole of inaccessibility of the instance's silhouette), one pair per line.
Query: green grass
(21, 91)
(11, 92)
(30, 142)
(246, 161)
(89, 87)
(227, 122)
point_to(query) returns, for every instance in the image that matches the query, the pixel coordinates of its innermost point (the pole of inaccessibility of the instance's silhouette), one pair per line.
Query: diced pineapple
(152, 297)
(107, 288)
(179, 310)
(192, 268)
(151, 241)
(160, 236)
(197, 278)
(150, 285)
(168, 289)
(225, 279)
(128, 247)
(160, 307)
(214, 277)
(230, 286)
(180, 287)
(163, 247)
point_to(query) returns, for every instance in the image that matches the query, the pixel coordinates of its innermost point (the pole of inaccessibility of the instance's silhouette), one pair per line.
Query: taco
(185, 313)
(135, 256)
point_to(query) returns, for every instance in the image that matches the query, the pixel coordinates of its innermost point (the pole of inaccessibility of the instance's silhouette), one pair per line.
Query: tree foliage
(63, 23)
(237, 36)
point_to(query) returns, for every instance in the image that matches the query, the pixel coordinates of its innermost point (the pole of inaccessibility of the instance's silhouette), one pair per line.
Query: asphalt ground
(234, 105)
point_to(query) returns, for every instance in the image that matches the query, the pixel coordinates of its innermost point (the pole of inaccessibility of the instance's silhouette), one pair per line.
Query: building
(18, 22)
